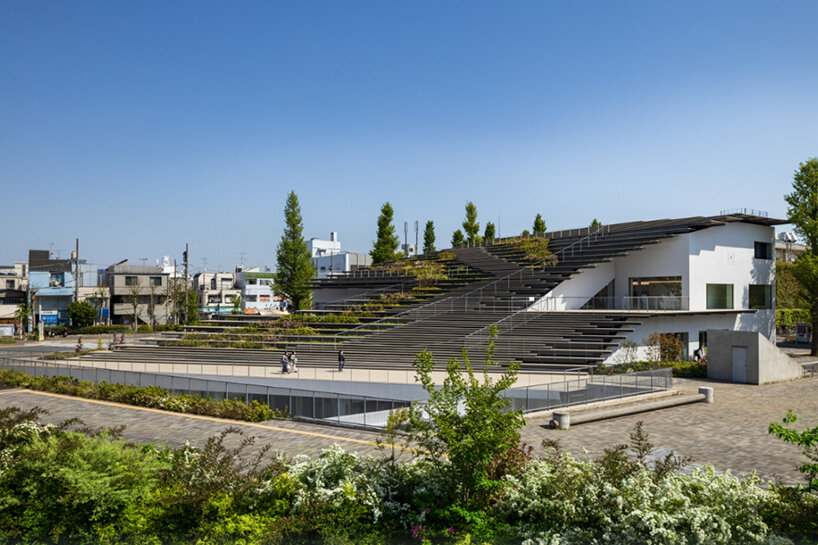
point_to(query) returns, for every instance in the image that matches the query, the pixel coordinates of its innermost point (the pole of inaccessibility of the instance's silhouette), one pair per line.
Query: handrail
(570, 246)
(494, 283)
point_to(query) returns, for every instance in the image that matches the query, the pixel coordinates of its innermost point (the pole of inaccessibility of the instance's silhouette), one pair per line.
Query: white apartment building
(329, 260)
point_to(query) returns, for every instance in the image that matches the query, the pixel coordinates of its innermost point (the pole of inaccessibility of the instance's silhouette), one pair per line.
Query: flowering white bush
(570, 502)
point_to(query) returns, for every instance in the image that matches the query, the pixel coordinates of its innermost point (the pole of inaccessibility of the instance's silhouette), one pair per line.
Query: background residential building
(143, 288)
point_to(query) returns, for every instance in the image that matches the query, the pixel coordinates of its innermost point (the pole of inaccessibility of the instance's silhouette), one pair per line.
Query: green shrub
(786, 318)
(99, 329)
(150, 396)
(681, 369)
(7, 340)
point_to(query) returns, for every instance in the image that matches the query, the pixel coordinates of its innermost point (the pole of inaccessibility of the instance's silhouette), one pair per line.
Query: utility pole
(76, 258)
(184, 304)
(416, 238)
(405, 237)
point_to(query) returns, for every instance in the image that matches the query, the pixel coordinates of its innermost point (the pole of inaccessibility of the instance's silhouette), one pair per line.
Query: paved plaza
(729, 434)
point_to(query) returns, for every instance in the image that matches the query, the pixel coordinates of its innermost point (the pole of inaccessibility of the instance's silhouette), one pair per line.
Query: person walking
(293, 363)
(285, 362)
(341, 360)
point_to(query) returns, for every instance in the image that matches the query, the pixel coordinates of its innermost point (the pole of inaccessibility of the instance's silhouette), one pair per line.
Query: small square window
(763, 250)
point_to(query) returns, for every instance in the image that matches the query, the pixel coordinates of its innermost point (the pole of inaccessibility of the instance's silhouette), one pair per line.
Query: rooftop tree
(470, 225)
(458, 240)
(539, 226)
(490, 232)
(429, 237)
(385, 247)
(803, 214)
(294, 267)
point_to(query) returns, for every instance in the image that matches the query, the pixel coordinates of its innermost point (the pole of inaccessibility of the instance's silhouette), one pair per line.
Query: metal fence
(313, 405)
(580, 387)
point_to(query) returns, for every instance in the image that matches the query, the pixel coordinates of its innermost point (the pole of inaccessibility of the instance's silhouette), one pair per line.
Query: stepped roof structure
(569, 299)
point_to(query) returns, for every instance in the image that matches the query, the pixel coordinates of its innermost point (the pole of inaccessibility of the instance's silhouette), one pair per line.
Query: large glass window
(56, 279)
(131, 280)
(156, 281)
(656, 293)
(719, 296)
(760, 296)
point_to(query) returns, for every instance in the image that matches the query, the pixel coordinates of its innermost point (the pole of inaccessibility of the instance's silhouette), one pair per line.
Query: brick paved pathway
(729, 434)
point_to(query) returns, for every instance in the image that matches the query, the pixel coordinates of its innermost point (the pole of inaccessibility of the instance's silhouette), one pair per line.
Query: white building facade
(720, 277)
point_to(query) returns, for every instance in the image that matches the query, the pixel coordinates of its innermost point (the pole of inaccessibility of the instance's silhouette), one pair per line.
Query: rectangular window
(252, 281)
(719, 296)
(213, 283)
(9, 284)
(156, 281)
(131, 280)
(656, 293)
(57, 279)
(763, 250)
(251, 298)
(227, 283)
(760, 296)
(214, 300)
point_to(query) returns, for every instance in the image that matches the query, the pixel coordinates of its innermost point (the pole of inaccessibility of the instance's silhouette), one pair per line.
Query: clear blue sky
(139, 126)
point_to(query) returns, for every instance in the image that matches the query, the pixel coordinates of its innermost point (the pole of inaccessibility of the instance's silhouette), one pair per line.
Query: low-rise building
(257, 295)
(329, 260)
(219, 293)
(13, 284)
(138, 293)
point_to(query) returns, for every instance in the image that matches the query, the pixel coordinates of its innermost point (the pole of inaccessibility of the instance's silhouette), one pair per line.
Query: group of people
(289, 363)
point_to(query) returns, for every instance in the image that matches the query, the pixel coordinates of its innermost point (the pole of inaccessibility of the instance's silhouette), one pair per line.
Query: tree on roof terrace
(385, 247)
(293, 261)
(539, 226)
(470, 225)
(429, 237)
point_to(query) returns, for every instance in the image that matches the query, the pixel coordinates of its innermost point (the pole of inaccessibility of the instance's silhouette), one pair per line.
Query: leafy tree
(235, 300)
(191, 307)
(470, 225)
(82, 313)
(293, 260)
(803, 214)
(458, 240)
(23, 315)
(466, 425)
(525, 233)
(386, 246)
(807, 440)
(490, 232)
(595, 224)
(789, 293)
(539, 226)
(134, 298)
(429, 237)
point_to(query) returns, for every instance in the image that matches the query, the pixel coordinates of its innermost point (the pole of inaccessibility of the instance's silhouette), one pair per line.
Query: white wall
(574, 292)
(690, 324)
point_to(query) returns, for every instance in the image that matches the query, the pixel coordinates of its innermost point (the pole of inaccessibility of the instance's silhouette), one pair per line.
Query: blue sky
(139, 126)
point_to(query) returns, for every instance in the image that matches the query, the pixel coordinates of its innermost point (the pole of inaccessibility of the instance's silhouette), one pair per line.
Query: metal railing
(747, 211)
(461, 302)
(580, 387)
(653, 303)
(314, 405)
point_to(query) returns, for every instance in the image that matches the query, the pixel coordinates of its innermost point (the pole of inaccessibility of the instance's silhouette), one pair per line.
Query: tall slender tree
(293, 261)
(429, 237)
(803, 214)
(470, 225)
(385, 247)
(539, 226)
(490, 232)
(596, 224)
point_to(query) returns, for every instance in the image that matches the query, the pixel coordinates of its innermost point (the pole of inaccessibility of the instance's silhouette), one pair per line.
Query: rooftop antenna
(405, 237)
(204, 264)
(242, 254)
(50, 250)
(416, 236)
(143, 260)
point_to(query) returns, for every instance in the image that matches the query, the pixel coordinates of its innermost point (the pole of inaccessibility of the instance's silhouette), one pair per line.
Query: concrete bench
(563, 419)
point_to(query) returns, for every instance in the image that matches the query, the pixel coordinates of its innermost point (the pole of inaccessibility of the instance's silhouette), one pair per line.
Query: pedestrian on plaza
(285, 362)
(341, 360)
(293, 363)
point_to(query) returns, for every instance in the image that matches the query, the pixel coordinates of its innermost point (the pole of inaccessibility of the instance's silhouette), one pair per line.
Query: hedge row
(150, 396)
(786, 318)
(681, 369)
